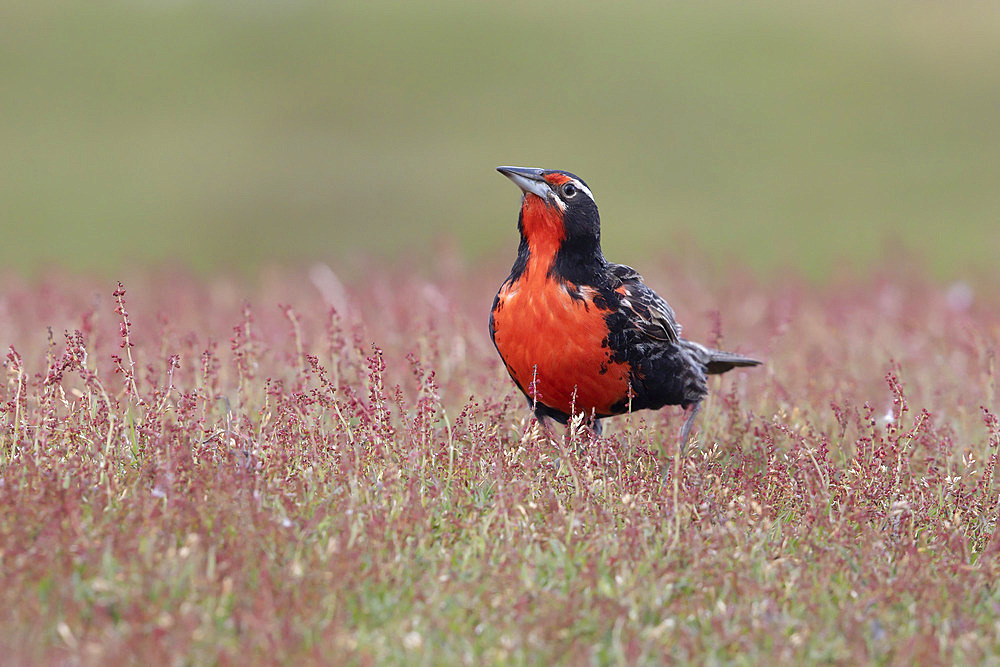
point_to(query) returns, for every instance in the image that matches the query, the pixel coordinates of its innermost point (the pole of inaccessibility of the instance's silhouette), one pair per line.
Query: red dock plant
(207, 472)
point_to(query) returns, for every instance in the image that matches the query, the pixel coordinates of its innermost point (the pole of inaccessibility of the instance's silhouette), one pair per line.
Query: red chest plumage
(554, 343)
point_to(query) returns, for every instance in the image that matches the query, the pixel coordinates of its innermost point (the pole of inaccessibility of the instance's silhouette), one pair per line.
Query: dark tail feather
(717, 361)
(724, 361)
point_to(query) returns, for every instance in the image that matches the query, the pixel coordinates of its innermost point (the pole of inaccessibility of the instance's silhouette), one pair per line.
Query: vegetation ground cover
(308, 470)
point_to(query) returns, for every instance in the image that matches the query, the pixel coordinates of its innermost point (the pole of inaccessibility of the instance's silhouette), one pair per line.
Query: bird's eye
(569, 190)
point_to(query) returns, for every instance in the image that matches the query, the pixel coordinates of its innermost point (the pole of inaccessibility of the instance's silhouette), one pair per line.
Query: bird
(580, 335)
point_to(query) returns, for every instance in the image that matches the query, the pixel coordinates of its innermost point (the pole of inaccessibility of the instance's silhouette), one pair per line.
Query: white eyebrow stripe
(583, 187)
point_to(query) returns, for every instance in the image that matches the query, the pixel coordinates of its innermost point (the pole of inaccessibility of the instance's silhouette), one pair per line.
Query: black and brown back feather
(666, 369)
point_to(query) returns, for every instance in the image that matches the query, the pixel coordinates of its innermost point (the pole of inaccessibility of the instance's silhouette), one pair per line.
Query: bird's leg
(591, 432)
(546, 427)
(690, 412)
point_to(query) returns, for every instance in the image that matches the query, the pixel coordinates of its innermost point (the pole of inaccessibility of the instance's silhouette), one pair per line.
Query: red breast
(549, 332)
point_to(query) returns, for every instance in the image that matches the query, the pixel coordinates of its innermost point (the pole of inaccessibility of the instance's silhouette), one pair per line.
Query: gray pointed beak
(528, 179)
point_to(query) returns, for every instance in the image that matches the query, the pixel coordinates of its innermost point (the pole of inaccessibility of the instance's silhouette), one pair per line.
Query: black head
(564, 194)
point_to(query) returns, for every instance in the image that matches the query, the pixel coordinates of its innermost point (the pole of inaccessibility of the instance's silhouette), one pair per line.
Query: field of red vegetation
(310, 469)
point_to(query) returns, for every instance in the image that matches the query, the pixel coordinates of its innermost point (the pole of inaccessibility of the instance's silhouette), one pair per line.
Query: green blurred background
(235, 135)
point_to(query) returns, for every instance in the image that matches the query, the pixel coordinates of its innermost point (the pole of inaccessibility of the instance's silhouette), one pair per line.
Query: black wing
(651, 314)
(655, 319)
